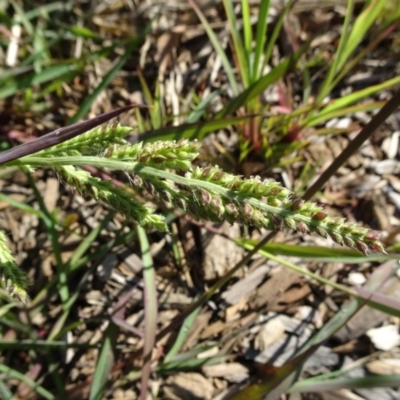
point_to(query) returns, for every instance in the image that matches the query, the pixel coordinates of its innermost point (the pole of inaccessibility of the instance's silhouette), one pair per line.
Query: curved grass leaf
(241, 52)
(104, 363)
(182, 335)
(336, 107)
(364, 296)
(28, 80)
(218, 47)
(150, 310)
(261, 38)
(11, 373)
(377, 278)
(106, 79)
(360, 28)
(274, 377)
(367, 382)
(258, 87)
(327, 254)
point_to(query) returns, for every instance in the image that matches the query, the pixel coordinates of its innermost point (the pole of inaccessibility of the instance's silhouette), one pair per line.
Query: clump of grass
(252, 46)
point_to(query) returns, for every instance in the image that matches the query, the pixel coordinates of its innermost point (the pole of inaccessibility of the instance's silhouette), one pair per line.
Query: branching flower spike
(212, 194)
(164, 170)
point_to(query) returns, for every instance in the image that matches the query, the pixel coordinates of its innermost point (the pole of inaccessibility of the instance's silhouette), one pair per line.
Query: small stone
(385, 337)
(356, 279)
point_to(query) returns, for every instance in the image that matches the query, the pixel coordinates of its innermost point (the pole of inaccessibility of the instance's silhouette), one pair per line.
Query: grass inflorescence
(212, 194)
(204, 193)
(164, 169)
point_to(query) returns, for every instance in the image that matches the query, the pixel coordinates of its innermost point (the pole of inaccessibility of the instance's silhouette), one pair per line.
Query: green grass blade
(198, 130)
(54, 366)
(5, 392)
(54, 75)
(189, 359)
(105, 81)
(51, 226)
(340, 112)
(327, 84)
(260, 39)
(218, 48)
(21, 206)
(150, 309)
(275, 34)
(43, 345)
(349, 99)
(13, 374)
(121, 239)
(273, 384)
(247, 36)
(13, 321)
(32, 79)
(40, 47)
(104, 363)
(6, 308)
(389, 307)
(259, 86)
(42, 11)
(154, 102)
(22, 18)
(361, 26)
(191, 363)
(141, 121)
(35, 57)
(377, 278)
(158, 117)
(201, 108)
(368, 382)
(349, 41)
(83, 32)
(380, 301)
(326, 254)
(88, 240)
(74, 262)
(369, 48)
(182, 335)
(239, 49)
(16, 72)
